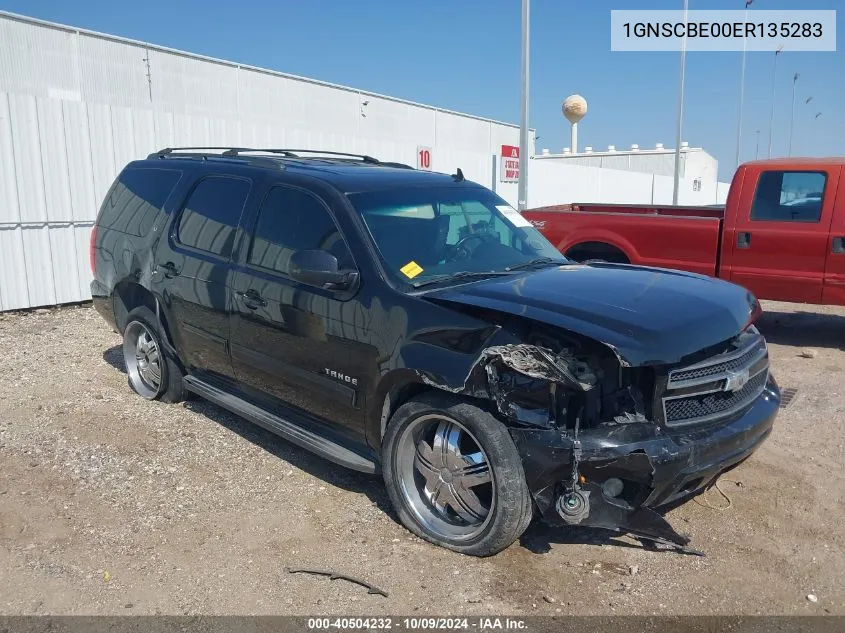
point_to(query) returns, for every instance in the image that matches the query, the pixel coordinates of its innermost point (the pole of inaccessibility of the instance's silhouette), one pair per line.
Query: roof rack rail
(169, 150)
(288, 153)
(294, 153)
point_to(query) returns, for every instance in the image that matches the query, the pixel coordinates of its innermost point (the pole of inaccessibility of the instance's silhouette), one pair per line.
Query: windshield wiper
(464, 274)
(537, 261)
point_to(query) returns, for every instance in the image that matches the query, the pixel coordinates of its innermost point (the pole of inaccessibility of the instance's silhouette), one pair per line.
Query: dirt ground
(113, 505)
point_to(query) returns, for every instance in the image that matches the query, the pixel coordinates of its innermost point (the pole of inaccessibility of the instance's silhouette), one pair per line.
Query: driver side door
(291, 340)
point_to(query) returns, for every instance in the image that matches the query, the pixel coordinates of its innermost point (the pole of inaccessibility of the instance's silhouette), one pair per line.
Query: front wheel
(454, 475)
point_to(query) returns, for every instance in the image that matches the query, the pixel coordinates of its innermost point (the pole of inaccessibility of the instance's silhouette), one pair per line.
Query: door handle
(251, 299)
(168, 268)
(838, 245)
(743, 239)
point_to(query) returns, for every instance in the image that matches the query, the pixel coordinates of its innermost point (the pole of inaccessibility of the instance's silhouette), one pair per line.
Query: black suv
(414, 324)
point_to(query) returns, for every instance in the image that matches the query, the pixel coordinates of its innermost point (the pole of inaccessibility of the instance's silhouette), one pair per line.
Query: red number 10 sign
(424, 158)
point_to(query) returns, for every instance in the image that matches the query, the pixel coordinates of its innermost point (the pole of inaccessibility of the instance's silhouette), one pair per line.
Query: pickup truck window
(789, 196)
(212, 213)
(290, 220)
(432, 232)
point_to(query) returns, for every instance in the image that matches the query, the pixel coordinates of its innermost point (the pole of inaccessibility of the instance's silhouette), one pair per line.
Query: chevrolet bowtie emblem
(736, 380)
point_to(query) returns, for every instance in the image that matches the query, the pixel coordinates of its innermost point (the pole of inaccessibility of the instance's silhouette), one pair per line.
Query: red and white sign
(424, 158)
(509, 167)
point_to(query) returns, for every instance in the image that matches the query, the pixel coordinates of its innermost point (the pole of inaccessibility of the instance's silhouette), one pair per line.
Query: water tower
(574, 108)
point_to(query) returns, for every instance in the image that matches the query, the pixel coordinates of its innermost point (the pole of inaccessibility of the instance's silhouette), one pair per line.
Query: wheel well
(128, 296)
(399, 395)
(396, 397)
(597, 250)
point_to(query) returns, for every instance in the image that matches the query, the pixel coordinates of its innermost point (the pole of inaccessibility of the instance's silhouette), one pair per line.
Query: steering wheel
(459, 251)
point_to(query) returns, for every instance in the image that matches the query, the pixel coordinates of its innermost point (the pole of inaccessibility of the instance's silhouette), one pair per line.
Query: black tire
(141, 322)
(511, 512)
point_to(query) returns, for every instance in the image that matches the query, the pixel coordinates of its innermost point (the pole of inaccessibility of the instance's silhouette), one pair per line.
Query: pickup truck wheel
(454, 475)
(151, 371)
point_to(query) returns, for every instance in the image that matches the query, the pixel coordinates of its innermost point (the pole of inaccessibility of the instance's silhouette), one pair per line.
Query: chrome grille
(690, 409)
(718, 387)
(747, 357)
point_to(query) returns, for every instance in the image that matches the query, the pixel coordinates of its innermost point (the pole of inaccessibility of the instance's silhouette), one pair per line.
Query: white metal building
(699, 170)
(76, 106)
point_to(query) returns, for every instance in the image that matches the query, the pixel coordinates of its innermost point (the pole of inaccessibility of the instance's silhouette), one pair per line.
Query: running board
(290, 431)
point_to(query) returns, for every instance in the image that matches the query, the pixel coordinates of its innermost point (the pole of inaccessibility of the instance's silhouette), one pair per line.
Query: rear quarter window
(136, 199)
(211, 214)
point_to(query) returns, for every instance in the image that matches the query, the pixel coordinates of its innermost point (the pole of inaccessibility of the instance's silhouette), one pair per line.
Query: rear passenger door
(295, 342)
(781, 234)
(193, 268)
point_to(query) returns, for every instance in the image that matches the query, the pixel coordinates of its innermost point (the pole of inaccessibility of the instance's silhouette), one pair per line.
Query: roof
(348, 174)
(351, 178)
(805, 161)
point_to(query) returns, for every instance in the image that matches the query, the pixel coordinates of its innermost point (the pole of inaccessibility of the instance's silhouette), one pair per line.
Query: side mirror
(319, 268)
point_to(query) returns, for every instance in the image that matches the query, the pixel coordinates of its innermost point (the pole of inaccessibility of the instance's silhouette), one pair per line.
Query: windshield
(427, 234)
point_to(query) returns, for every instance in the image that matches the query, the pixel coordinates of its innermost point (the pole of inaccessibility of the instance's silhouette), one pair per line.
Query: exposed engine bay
(595, 449)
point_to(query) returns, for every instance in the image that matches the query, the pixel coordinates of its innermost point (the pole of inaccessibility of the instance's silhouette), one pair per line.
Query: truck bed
(666, 236)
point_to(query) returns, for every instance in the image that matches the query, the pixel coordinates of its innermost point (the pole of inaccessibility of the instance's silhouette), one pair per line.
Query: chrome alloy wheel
(143, 359)
(445, 477)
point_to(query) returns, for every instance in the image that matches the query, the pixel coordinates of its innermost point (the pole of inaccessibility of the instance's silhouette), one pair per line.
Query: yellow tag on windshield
(411, 269)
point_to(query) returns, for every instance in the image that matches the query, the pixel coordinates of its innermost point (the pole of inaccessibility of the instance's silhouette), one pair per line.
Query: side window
(789, 196)
(137, 198)
(291, 220)
(211, 215)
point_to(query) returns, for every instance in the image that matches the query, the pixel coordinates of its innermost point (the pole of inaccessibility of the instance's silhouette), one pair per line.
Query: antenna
(146, 60)
(574, 108)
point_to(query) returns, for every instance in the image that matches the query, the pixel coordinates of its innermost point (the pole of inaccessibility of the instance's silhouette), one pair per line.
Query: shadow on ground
(350, 480)
(803, 329)
(538, 538)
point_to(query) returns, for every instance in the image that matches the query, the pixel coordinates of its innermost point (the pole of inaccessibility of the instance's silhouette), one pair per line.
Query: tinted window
(784, 196)
(291, 220)
(212, 213)
(137, 198)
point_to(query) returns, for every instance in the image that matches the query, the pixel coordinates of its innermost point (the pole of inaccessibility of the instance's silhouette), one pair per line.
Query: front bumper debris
(656, 466)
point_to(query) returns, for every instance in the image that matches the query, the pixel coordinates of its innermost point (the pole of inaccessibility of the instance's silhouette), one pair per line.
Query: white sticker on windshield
(513, 215)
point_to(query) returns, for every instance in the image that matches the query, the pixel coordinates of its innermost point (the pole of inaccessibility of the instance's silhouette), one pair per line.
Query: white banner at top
(729, 30)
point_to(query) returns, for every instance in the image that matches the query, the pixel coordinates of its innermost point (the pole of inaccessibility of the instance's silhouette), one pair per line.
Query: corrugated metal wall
(552, 182)
(76, 106)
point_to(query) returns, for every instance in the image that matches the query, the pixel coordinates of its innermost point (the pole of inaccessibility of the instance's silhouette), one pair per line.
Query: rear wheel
(151, 370)
(454, 475)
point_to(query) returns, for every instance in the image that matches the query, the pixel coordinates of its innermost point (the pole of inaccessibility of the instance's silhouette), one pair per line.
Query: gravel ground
(113, 505)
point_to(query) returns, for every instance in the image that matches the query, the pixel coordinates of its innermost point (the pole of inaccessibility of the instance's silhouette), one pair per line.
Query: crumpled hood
(647, 315)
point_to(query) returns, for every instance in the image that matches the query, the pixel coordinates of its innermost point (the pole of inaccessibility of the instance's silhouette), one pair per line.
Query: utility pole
(774, 83)
(522, 194)
(741, 91)
(792, 117)
(680, 110)
(757, 149)
(813, 133)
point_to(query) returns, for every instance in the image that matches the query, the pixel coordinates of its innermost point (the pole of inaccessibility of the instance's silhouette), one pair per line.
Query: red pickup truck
(781, 233)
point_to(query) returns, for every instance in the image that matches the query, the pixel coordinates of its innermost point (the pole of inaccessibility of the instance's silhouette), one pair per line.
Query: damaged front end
(599, 446)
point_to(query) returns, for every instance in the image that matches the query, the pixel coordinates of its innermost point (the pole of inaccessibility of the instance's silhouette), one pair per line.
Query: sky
(464, 55)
